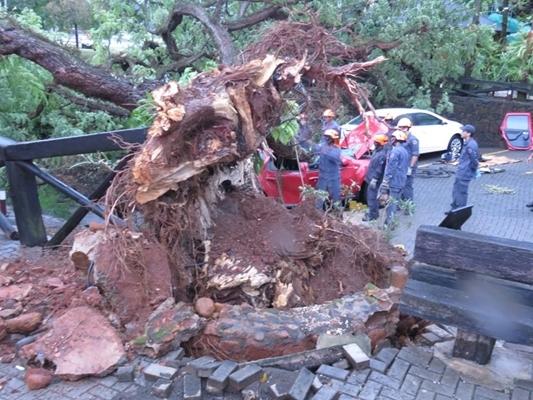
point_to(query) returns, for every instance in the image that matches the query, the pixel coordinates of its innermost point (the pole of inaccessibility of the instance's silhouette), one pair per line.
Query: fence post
(28, 213)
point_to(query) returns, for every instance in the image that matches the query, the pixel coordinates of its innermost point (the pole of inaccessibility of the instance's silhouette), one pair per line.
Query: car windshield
(355, 121)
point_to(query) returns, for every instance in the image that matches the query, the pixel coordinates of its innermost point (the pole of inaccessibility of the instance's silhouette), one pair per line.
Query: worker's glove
(373, 184)
(384, 192)
(409, 171)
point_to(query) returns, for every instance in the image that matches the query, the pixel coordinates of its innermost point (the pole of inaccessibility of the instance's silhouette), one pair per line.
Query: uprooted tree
(171, 190)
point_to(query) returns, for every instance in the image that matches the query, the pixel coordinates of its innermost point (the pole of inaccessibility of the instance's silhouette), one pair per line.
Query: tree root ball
(204, 307)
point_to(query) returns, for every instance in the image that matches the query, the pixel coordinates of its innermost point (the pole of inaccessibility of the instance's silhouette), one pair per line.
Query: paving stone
(437, 330)
(450, 377)
(464, 391)
(332, 372)
(491, 394)
(122, 386)
(396, 395)
(387, 355)
(425, 373)
(520, 394)
(251, 391)
(346, 388)
(431, 338)
(411, 384)
(277, 393)
(523, 384)
(437, 365)
(385, 380)
(325, 393)
(416, 356)
(359, 376)
(192, 366)
(356, 356)
(377, 365)
(162, 388)
(214, 391)
(370, 391)
(437, 388)
(398, 369)
(345, 397)
(174, 355)
(220, 377)
(317, 384)
(125, 373)
(442, 397)
(302, 384)
(206, 370)
(424, 394)
(192, 389)
(245, 376)
(343, 363)
(156, 371)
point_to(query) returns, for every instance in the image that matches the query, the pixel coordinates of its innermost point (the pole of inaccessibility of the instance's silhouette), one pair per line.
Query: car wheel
(456, 144)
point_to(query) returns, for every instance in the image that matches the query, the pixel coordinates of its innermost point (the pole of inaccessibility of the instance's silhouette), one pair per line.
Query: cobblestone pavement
(413, 373)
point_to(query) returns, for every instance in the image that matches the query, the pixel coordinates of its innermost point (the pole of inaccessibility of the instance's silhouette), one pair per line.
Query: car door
(431, 132)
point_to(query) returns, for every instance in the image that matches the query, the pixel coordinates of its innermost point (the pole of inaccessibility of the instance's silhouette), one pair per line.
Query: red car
(283, 175)
(516, 130)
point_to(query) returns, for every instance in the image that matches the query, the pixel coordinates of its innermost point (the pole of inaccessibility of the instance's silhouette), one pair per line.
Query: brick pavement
(414, 373)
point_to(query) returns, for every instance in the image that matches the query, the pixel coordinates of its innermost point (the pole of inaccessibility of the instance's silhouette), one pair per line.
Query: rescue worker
(329, 168)
(395, 175)
(466, 169)
(329, 123)
(305, 132)
(389, 121)
(374, 175)
(413, 150)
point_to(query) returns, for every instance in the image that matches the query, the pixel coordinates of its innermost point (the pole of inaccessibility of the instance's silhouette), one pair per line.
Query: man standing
(329, 168)
(395, 175)
(374, 176)
(305, 133)
(329, 123)
(413, 152)
(466, 170)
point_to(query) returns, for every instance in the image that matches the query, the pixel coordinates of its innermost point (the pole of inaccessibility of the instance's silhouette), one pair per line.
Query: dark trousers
(460, 193)
(372, 202)
(332, 185)
(408, 192)
(392, 207)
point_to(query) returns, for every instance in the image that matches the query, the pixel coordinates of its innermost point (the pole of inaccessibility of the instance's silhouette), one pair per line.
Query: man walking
(395, 175)
(466, 170)
(413, 152)
(329, 169)
(374, 175)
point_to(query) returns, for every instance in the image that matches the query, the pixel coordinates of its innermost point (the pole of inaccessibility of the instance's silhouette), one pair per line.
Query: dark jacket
(468, 161)
(376, 168)
(329, 164)
(397, 166)
(412, 146)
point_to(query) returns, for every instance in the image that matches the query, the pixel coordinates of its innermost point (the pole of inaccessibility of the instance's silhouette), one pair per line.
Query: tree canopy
(138, 46)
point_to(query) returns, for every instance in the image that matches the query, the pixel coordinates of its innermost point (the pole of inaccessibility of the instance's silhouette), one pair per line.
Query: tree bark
(68, 70)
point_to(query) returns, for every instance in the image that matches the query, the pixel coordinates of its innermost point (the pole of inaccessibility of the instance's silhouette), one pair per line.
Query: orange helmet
(399, 136)
(328, 113)
(388, 117)
(381, 138)
(332, 133)
(404, 122)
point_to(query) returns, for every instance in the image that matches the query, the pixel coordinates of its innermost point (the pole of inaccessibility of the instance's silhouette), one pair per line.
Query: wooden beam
(482, 254)
(70, 145)
(28, 213)
(486, 306)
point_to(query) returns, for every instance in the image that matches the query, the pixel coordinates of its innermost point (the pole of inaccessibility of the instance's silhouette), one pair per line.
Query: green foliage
(144, 114)
(288, 127)
(53, 203)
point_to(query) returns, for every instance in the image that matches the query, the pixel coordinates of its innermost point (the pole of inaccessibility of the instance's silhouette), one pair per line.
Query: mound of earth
(259, 253)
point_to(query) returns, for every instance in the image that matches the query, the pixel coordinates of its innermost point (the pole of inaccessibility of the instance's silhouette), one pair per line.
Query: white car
(435, 133)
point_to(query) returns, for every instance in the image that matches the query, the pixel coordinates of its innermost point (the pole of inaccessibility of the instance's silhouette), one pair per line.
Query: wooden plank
(482, 254)
(28, 213)
(71, 145)
(458, 280)
(482, 310)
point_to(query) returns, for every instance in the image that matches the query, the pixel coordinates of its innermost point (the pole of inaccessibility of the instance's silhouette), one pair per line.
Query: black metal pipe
(8, 229)
(67, 191)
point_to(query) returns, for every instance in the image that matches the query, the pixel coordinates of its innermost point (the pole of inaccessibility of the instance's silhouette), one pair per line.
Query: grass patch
(54, 203)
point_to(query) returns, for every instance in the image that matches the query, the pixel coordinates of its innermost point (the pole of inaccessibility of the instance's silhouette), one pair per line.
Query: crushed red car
(282, 178)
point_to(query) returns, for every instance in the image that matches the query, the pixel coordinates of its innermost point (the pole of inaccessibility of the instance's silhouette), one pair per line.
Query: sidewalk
(414, 372)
